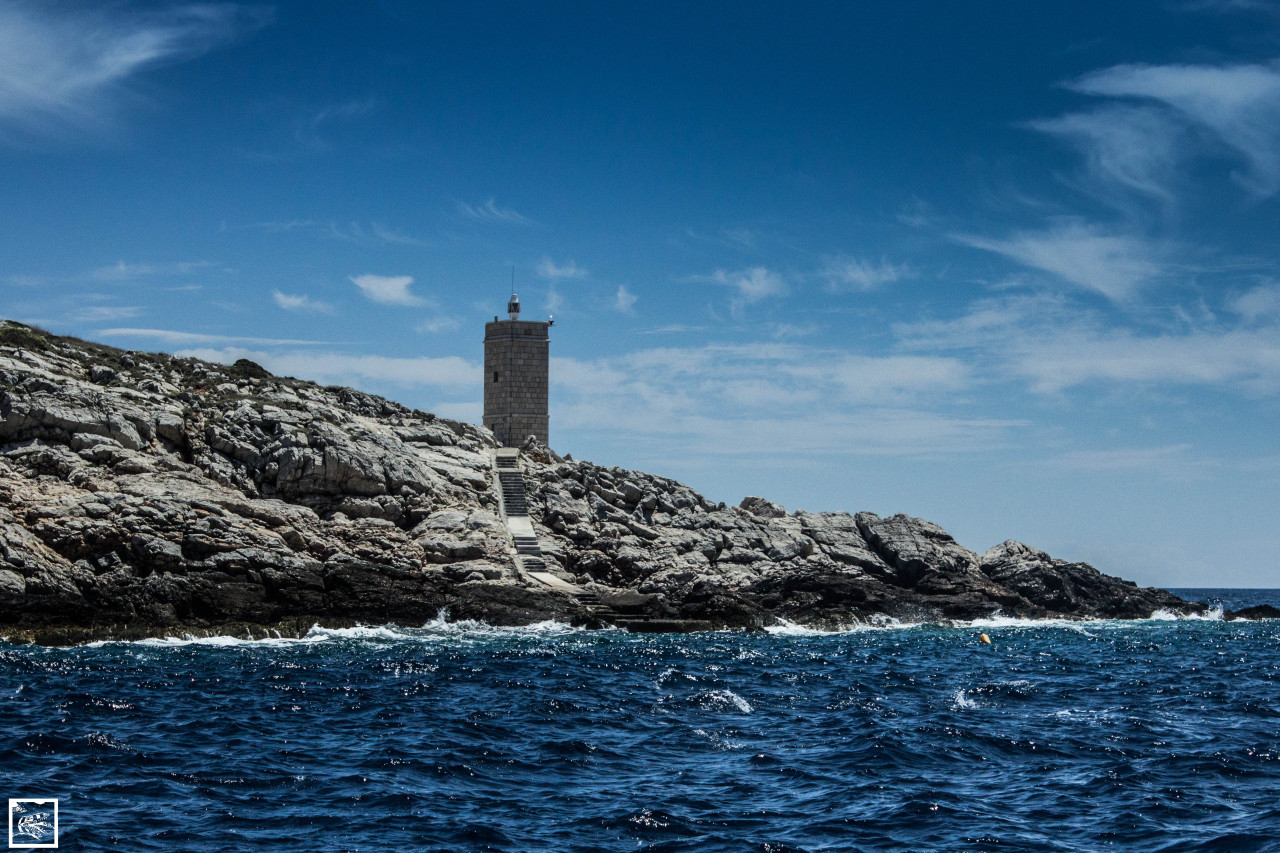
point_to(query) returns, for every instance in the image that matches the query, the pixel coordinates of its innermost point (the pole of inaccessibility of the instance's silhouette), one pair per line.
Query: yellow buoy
(984, 638)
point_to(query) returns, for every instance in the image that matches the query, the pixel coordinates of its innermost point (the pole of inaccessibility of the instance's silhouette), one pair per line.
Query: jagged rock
(761, 507)
(1258, 611)
(1075, 588)
(142, 494)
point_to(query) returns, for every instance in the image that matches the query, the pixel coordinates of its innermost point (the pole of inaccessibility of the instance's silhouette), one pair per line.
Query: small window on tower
(495, 376)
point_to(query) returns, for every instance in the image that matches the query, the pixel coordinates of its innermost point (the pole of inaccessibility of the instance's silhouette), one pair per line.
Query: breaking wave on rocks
(441, 628)
(1057, 736)
(438, 629)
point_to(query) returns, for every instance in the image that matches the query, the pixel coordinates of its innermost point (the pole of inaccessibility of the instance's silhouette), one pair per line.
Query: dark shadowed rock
(1258, 611)
(1075, 588)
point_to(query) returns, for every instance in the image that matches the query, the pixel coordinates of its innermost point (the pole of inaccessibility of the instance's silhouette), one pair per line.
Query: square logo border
(44, 801)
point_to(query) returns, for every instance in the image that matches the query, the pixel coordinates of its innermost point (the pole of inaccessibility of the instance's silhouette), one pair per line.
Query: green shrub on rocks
(25, 337)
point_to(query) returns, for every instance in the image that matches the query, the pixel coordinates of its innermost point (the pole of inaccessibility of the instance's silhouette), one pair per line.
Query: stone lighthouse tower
(516, 356)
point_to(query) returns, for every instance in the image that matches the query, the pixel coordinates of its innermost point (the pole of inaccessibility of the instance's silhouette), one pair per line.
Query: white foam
(1213, 614)
(723, 700)
(436, 630)
(787, 628)
(784, 628)
(998, 620)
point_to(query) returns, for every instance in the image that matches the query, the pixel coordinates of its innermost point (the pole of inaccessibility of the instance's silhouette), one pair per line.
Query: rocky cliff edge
(143, 494)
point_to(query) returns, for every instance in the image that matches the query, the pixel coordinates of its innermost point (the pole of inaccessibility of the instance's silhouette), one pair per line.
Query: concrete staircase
(533, 567)
(529, 558)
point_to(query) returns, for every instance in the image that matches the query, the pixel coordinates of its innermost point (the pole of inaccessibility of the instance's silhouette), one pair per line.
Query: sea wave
(440, 628)
(907, 739)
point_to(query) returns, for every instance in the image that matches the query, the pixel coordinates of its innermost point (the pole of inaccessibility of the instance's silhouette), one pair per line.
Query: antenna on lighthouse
(513, 307)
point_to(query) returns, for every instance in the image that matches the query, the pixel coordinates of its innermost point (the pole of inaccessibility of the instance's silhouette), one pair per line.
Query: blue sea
(1058, 736)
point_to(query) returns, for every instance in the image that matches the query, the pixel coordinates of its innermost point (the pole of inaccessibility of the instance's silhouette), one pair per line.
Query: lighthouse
(516, 360)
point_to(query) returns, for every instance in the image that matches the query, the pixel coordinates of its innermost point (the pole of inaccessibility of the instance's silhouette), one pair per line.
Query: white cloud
(844, 273)
(1235, 107)
(555, 299)
(489, 211)
(174, 338)
(104, 313)
(744, 237)
(753, 285)
(672, 329)
(64, 68)
(387, 289)
(435, 325)
(896, 377)
(394, 236)
(1168, 459)
(344, 111)
(548, 268)
(782, 331)
(1248, 359)
(624, 300)
(331, 368)
(1259, 303)
(121, 271)
(773, 399)
(374, 234)
(301, 302)
(1115, 265)
(1054, 347)
(1134, 147)
(279, 226)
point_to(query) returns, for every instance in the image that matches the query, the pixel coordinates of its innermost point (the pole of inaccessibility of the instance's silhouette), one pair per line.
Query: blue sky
(1010, 267)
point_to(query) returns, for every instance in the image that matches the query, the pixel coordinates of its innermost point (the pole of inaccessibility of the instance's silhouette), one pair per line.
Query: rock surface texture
(143, 494)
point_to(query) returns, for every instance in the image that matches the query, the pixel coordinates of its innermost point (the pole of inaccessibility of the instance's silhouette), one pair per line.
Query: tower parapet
(516, 366)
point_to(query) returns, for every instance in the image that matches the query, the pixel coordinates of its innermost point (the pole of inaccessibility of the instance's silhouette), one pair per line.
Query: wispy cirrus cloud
(344, 111)
(549, 269)
(121, 271)
(104, 313)
(490, 211)
(76, 308)
(1084, 256)
(844, 273)
(1126, 148)
(1160, 115)
(775, 399)
(372, 234)
(67, 69)
(387, 289)
(1166, 459)
(1258, 303)
(1054, 346)
(1239, 105)
(173, 337)
(300, 302)
(336, 368)
(436, 325)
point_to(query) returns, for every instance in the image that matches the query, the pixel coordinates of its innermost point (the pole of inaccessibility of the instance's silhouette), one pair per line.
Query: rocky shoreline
(144, 495)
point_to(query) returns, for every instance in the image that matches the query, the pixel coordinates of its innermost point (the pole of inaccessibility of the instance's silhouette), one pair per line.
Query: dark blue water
(1155, 735)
